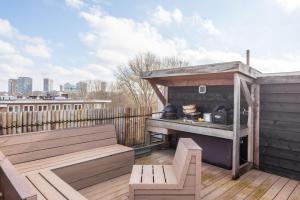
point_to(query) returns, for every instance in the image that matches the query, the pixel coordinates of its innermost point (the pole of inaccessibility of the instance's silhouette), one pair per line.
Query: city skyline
(13, 90)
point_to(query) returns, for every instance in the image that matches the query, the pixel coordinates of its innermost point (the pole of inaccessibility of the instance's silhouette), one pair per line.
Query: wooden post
(250, 134)
(25, 122)
(236, 127)
(248, 57)
(256, 125)
(158, 93)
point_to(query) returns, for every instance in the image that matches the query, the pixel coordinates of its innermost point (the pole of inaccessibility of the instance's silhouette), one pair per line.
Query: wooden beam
(251, 126)
(247, 93)
(236, 127)
(158, 93)
(190, 128)
(226, 67)
(191, 82)
(246, 78)
(256, 125)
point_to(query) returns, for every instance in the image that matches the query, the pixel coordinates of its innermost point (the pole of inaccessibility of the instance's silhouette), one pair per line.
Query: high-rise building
(48, 85)
(24, 85)
(12, 87)
(68, 87)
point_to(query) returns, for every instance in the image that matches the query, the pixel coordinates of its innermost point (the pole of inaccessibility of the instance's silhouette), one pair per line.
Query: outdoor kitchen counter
(202, 128)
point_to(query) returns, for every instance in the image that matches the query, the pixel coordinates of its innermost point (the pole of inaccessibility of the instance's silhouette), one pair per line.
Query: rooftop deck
(217, 183)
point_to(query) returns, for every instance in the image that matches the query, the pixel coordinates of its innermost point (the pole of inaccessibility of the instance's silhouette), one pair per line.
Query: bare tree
(129, 80)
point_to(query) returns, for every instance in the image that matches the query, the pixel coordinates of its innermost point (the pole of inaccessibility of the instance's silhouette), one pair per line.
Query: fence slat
(129, 122)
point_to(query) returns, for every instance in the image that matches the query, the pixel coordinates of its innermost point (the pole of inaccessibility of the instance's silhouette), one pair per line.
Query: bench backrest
(187, 163)
(34, 146)
(12, 184)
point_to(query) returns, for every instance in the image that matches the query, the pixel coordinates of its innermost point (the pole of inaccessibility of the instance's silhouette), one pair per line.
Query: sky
(77, 40)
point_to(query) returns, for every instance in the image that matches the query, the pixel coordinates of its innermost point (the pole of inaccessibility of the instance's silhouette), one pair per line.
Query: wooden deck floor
(217, 183)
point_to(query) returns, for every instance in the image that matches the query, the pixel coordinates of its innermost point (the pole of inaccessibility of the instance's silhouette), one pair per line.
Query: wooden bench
(68, 159)
(181, 180)
(12, 184)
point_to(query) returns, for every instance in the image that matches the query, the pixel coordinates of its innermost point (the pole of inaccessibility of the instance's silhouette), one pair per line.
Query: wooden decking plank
(136, 175)
(169, 174)
(45, 188)
(117, 188)
(263, 188)
(61, 158)
(100, 191)
(52, 163)
(275, 189)
(296, 193)
(229, 194)
(61, 186)
(213, 174)
(73, 155)
(250, 188)
(286, 190)
(147, 177)
(103, 187)
(205, 191)
(159, 176)
(39, 195)
(221, 190)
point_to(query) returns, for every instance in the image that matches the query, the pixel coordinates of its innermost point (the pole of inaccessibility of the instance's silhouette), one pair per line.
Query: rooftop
(34, 101)
(215, 68)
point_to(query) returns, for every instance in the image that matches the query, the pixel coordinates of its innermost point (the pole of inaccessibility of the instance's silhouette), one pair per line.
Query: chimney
(248, 57)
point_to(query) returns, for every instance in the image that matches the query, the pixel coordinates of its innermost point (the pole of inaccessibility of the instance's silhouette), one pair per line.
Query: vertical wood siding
(129, 122)
(280, 127)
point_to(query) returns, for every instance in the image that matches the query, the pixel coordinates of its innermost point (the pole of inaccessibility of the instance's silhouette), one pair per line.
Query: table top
(200, 124)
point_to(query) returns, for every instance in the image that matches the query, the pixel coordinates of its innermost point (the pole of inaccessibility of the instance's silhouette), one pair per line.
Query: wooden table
(165, 126)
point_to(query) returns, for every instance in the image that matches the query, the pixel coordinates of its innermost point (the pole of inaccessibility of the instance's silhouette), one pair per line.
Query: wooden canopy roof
(211, 74)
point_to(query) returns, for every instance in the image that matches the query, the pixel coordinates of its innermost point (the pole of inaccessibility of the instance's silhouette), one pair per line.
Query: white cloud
(75, 3)
(177, 15)
(39, 50)
(6, 47)
(17, 51)
(210, 27)
(114, 40)
(289, 5)
(205, 24)
(6, 29)
(287, 63)
(162, 16)
(35, 46)
(204, 56)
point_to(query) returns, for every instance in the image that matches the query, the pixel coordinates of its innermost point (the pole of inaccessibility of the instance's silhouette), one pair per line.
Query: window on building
(15, 108)
(55, 107)
(67, 106)
(78, 106)
(29, 108)
(42, 107)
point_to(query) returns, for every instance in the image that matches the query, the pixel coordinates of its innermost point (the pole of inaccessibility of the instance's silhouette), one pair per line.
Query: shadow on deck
(217, 183)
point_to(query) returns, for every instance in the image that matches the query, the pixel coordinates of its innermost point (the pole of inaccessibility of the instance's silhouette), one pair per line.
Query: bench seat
(71, 158)
(58, 163)
(49, 186)
(179, 181)
(95, 165)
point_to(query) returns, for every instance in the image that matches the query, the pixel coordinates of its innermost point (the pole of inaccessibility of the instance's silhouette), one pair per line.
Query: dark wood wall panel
(280, 127)
(179, 96)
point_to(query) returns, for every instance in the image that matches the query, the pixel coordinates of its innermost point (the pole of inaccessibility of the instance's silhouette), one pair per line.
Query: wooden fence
(129, 122)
